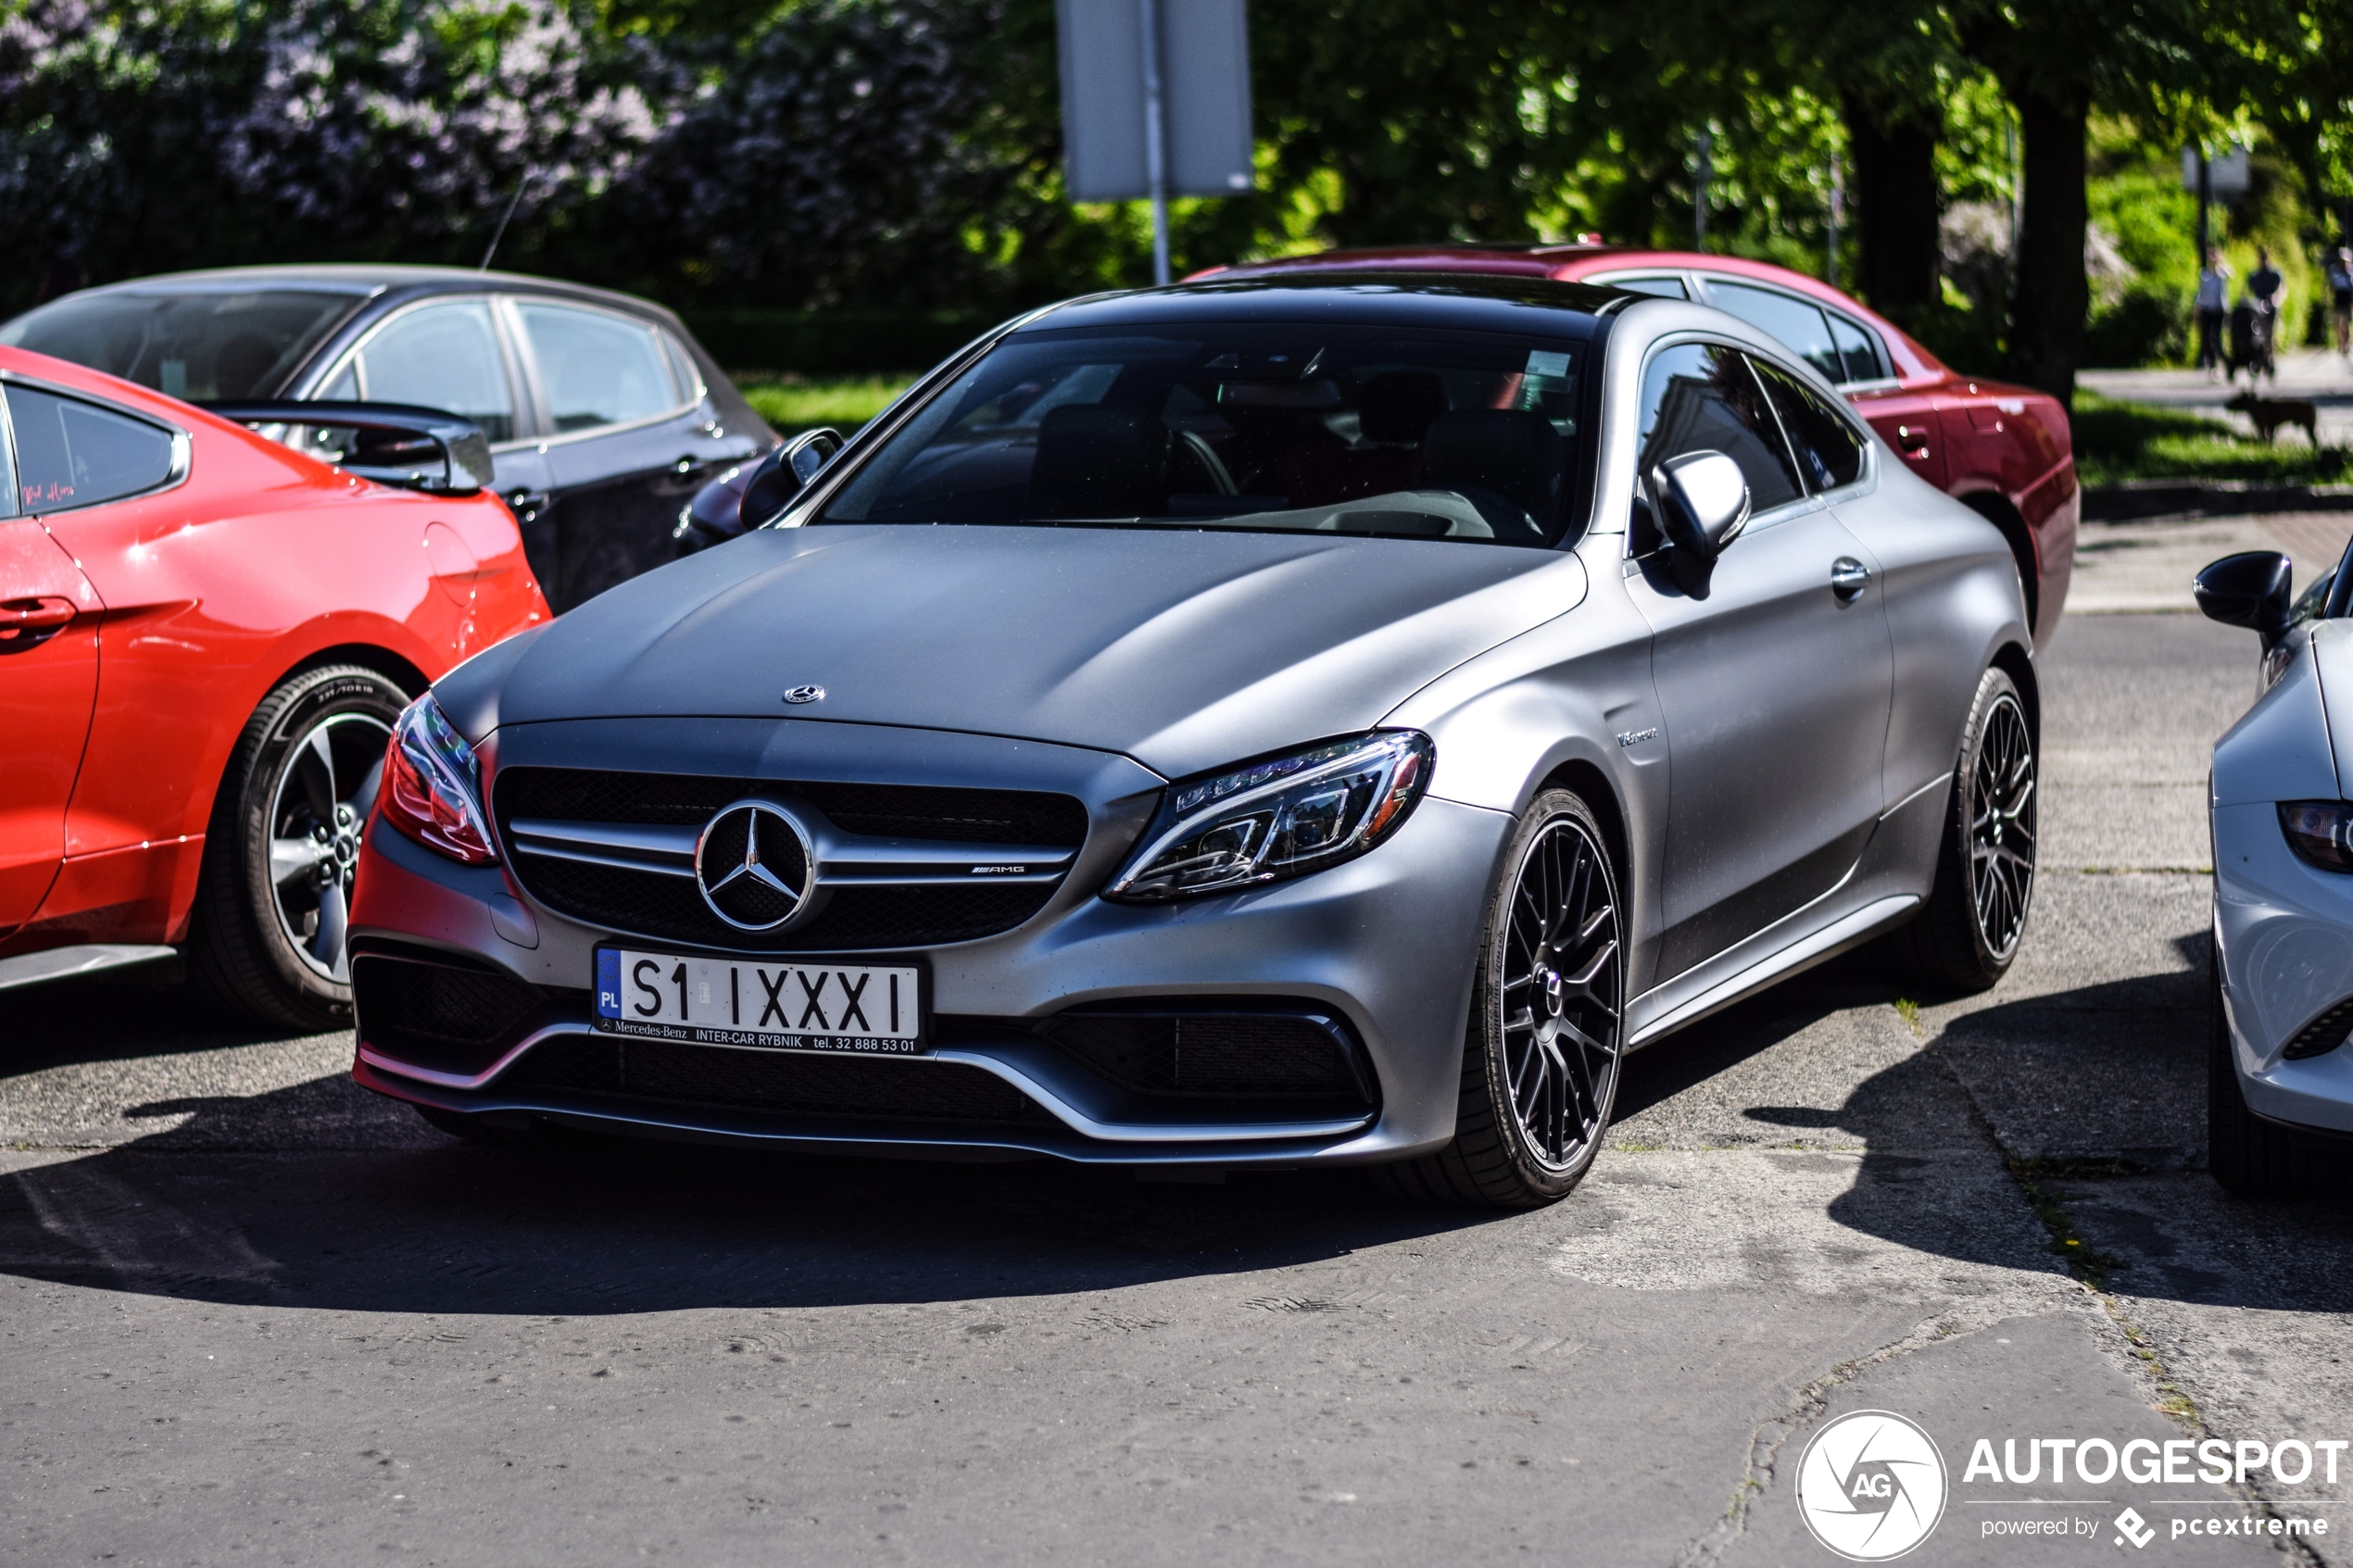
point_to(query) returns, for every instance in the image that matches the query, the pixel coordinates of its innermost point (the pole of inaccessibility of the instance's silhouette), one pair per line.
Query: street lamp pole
(1699, 189)
(1155, 142)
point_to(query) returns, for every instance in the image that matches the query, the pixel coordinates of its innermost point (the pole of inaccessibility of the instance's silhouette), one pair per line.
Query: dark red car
(2004, 450)
(204, 640)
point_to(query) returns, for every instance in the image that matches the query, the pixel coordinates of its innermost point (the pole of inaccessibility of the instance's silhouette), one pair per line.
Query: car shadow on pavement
(380, 1213)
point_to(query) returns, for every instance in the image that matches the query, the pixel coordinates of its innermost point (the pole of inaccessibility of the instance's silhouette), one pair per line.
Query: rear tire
(2249, 1157)
(266, 936)
(1969, 931)
(1545, 1034)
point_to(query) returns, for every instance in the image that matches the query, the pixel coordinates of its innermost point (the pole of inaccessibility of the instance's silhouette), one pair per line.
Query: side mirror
(1703, 501)
(2248, 590)
(783, 473)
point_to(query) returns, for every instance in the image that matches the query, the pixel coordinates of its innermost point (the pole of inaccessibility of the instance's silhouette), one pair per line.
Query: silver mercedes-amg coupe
(1271, 723)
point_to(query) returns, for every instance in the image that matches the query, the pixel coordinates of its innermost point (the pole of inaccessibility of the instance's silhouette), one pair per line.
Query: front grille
(652, 904)
(961, 816)
(670, 906)
(1210, 1053)
(786, 1083)
(436, 1016)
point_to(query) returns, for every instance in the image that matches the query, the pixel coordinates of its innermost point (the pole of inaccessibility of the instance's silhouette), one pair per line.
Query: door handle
(1913, 439)
(29, 622)
(1849, 577)
(685, 466)
(525, 504)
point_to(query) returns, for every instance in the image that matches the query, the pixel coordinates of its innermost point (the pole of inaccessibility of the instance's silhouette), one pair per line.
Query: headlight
(432, 785)
(2320, 831)
(1276, 819)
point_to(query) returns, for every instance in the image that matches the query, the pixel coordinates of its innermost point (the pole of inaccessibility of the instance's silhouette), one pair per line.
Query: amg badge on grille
(754, 865)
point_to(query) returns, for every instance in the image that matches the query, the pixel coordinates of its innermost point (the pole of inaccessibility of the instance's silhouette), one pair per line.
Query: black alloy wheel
(268, 937)
(2001, 829)
(1970, 927)
(1540, 1063)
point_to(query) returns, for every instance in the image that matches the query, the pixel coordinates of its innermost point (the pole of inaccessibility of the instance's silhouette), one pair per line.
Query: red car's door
(48, 685)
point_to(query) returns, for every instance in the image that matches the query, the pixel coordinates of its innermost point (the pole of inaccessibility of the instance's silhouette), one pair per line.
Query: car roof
(1462, 300)
(1573, 260)
(365, 280)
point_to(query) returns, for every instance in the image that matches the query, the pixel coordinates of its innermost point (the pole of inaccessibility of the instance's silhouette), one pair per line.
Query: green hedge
(834, 342)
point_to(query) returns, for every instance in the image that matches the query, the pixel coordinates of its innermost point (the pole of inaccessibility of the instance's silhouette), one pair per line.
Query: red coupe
(2002, 450)
(204, 640)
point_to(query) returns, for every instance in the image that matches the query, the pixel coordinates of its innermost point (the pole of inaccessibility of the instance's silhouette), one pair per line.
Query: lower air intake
(438, 1016)
(1214, 1053)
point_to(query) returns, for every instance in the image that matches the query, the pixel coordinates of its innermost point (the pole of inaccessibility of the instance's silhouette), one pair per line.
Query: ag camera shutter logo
(1872, 1485)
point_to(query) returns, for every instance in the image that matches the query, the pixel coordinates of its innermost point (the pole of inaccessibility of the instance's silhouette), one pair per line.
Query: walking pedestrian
(2213, 305)
(2340, 271)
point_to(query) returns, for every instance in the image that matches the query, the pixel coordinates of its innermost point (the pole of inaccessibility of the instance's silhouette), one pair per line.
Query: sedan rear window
(1330, 429)
(196, 345)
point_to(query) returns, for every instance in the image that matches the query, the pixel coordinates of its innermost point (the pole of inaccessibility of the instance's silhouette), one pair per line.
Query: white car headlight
(1281, 818)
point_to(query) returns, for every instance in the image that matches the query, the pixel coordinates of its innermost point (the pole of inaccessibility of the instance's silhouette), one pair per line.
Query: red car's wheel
(267, 934)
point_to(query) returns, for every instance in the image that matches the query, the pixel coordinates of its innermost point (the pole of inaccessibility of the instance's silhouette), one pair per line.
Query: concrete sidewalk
(2123, 567)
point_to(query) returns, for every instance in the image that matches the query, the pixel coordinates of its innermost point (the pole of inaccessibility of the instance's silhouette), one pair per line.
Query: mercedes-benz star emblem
(754, 866)
(799, 695)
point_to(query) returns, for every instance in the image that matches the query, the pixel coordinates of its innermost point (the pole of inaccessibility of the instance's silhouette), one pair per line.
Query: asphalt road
(250, 1314)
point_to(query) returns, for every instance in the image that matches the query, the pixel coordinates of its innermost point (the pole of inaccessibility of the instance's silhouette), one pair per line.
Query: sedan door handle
(1913, 439)
(1849, 577)
(28, 621)
(527, 503)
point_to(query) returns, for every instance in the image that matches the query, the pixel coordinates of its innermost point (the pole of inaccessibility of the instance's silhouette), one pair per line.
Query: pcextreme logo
(1872, 1485)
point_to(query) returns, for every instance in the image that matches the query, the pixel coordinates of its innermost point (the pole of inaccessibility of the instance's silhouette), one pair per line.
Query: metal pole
(1699, 189)
(2205, 205)
(1155, 142)
(1837, 210)
(2018, 182)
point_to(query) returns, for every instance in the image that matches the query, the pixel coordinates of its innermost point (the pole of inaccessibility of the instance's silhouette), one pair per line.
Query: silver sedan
(1283, 722)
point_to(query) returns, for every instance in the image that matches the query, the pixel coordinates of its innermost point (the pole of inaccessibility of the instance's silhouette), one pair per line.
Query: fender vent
(2323, 1034)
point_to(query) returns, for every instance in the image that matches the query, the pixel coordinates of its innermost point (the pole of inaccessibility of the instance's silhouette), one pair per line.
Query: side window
(1828, 452)
(441, 356)
(7, 467)
(75, 454)
(1858, 351)
(598, 369)
(1698, 398)
(1796, 322)
(1665, 288)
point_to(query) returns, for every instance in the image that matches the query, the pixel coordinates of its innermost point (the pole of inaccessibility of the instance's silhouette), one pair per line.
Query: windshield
(195, 345)
(1406, 432)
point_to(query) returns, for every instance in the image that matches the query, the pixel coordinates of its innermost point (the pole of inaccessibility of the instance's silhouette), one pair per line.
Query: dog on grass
(2270, 413)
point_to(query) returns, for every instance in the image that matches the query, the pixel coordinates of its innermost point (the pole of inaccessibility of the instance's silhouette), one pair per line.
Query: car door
(628, 442)
(451, 353)
(49, 618)
(1773, 677)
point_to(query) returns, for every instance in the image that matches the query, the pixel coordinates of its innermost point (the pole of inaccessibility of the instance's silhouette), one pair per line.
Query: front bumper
(1384, 945)
(2283, 939)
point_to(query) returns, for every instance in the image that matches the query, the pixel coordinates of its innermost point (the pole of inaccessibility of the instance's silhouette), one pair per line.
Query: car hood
(1185, 650)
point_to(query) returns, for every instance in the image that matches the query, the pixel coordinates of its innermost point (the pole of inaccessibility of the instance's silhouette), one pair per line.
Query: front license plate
(798, 1005)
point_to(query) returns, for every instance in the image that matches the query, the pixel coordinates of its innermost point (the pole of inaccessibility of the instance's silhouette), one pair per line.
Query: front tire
(267, 936)
(1545, 1035)
(1966, 935)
